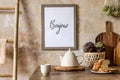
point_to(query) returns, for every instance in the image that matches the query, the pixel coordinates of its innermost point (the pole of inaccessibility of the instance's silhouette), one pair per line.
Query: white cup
(45, 69)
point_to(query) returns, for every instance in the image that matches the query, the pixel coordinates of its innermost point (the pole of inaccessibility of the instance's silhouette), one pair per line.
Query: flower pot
(91, 57)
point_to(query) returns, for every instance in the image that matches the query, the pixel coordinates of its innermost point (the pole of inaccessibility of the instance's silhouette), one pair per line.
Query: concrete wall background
(91, 21)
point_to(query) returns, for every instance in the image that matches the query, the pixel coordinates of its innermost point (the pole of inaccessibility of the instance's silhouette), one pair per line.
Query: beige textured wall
(91, 22)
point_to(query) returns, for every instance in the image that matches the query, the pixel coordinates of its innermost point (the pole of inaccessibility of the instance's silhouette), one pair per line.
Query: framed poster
(58, 26)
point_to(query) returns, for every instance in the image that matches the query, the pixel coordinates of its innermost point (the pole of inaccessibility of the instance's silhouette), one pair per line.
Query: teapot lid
(69, 51)
(69, 59)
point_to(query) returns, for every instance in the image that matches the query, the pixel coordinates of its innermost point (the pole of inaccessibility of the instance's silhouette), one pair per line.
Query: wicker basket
(91, 57)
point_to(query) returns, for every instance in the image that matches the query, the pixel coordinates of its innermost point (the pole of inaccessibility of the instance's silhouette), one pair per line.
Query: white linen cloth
(2, 50)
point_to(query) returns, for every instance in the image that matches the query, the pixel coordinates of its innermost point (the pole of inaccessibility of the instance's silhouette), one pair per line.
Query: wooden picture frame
(58, 26)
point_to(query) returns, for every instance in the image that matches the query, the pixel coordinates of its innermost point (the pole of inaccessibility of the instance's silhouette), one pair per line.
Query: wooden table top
(74, 75)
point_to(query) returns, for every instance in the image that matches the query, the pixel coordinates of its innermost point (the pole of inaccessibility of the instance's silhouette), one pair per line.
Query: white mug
(45, 69)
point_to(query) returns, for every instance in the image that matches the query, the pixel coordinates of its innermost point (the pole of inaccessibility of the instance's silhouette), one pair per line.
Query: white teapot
(69, 59)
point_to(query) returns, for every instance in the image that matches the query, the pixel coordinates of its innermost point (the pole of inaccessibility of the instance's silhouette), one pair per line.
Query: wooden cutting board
(117, 54)
(109, 38)
(76, 68)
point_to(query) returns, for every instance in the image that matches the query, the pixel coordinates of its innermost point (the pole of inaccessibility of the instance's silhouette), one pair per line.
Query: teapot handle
(82, 59)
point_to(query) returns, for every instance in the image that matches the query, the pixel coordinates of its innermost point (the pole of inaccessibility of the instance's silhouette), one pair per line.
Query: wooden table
(75, 75)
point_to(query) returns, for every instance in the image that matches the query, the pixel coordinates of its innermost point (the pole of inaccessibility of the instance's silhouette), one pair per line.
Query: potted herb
(112, 8)
(112, 11)
(93, 52)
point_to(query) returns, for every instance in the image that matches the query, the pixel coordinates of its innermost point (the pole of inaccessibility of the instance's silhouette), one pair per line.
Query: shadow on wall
(28, 47)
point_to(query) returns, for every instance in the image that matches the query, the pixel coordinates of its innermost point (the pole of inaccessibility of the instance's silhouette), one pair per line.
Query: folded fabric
(2, 51)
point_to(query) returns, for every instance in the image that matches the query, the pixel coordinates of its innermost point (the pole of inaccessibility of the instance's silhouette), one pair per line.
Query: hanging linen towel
(2, 51)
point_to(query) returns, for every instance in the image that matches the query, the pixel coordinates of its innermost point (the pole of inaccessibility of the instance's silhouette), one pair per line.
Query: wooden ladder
(15, 41)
